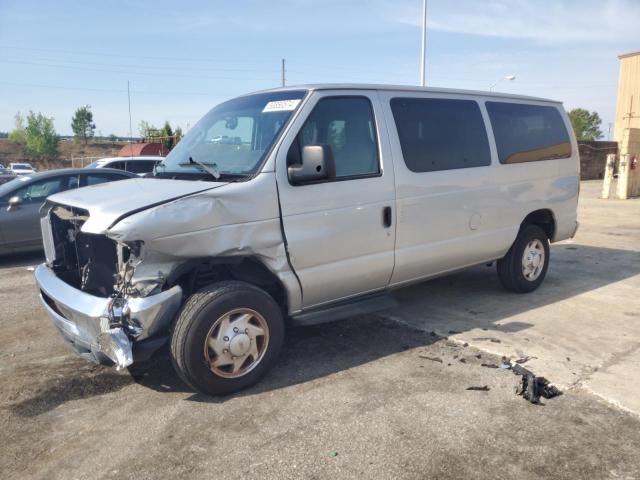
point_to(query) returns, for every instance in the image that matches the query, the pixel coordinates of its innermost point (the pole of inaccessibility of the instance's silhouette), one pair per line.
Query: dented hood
(108, 203)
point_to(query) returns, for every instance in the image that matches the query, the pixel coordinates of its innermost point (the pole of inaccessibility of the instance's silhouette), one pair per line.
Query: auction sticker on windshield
(281, 106)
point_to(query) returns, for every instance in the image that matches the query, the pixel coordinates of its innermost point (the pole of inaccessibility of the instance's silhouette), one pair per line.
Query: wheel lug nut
(226, 339)
(235, 329)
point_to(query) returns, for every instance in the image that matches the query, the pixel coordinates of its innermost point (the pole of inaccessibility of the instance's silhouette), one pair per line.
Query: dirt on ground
(67, 149)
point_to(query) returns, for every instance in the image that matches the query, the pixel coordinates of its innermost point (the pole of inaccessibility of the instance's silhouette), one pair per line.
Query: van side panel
(450, 219)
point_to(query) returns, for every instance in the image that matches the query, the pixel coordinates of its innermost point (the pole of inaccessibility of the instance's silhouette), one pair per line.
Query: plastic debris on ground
(532, 387)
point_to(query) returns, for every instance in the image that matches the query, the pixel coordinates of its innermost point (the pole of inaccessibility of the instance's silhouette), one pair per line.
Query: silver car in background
(309, 203)
(21, 168)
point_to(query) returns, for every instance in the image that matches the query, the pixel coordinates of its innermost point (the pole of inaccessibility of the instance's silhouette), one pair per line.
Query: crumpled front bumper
(84, 320)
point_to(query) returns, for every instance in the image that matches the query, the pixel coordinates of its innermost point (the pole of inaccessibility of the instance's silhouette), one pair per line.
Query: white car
(21, 168)
(138, 165)
(333, 196)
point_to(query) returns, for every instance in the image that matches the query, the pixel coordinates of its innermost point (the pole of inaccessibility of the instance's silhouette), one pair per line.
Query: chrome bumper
(83, 319)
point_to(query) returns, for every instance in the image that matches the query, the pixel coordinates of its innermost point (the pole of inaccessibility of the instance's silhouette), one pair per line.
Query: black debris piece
(463, 360)
(532, 387)
(485, 388)
(454, 332)
(489, 365)
(523, 360)
(465, 344)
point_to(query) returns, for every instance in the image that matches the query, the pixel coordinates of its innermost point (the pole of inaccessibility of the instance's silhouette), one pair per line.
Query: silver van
(302, 205)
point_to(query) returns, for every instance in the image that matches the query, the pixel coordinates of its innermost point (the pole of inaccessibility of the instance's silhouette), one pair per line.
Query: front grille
(83, 260)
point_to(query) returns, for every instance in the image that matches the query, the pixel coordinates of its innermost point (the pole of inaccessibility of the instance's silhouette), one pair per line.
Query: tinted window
(437, 134)
(95, 179)
(346, 124)
(118, 165)
(528, 133)
(140, 166)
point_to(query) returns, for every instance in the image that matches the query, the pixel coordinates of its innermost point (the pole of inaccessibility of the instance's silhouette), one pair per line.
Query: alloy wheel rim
(533, 259)
(236, 343)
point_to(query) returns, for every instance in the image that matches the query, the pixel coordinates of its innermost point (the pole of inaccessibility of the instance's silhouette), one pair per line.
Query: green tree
(178, 134)
(18, 134)
(167, 133)
(82, 124)
(586, 124)
(41, 139)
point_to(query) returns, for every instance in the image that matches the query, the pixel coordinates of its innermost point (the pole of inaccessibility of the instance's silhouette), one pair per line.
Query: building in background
(628, 105)
(627, 131)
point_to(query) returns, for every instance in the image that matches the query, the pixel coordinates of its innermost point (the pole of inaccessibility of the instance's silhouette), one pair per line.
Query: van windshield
(233, 138)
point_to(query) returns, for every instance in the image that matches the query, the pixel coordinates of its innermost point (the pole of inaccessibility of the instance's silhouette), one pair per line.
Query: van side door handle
(386, 217)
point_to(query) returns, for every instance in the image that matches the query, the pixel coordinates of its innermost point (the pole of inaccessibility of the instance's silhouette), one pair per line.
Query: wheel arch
(543, 218)
(200, 272)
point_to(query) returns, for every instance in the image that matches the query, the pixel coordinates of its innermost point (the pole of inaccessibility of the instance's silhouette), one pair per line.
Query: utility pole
(423, 66)
(283, 72)
(129, 101)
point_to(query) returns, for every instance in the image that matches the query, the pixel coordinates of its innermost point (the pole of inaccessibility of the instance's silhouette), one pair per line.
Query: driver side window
(346, 124)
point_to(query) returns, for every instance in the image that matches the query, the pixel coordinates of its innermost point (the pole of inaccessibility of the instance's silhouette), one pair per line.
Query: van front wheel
(524, 267)
(227, 336)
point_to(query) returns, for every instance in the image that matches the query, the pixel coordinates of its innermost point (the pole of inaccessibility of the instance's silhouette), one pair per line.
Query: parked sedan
(21, 199)
(6, 175)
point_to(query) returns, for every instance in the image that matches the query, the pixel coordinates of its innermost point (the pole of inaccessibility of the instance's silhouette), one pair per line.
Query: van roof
(405, 88)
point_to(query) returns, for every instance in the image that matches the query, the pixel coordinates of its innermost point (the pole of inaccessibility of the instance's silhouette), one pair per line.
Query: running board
(348, 308)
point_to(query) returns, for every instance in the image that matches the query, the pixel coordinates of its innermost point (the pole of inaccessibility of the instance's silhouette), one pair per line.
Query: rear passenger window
(439, 134)
(116, 165)
(528, 133)
(140, 166)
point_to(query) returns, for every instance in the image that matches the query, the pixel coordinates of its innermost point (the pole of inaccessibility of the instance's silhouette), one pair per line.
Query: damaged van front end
(116, 272)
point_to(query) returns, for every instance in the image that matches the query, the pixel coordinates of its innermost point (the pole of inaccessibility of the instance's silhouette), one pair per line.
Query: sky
(183, 57)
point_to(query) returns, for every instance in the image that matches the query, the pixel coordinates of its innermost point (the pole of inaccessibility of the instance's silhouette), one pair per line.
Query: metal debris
(523, 360)
(532, 387)
(488, 339)
(429, 357)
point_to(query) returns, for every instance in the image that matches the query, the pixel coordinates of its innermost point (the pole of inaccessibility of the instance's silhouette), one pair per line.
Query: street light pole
(508, 77)
(423, 66)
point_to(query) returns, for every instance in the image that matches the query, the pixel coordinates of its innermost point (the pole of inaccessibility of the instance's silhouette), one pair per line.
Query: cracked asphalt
(381, 396)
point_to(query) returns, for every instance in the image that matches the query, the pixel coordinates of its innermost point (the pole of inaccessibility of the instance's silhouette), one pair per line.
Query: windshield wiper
(211, 168)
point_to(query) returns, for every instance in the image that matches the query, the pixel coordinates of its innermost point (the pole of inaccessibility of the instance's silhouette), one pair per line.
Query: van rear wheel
(524, 267)
(227, 336)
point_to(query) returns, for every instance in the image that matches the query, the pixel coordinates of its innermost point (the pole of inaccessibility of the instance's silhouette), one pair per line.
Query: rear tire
(525, 265)
(227, 337)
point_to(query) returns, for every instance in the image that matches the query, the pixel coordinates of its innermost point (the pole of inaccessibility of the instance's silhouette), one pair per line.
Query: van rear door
(340, 231)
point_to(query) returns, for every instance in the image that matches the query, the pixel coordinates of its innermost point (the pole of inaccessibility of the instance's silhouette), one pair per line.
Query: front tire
(525, 265)
(227, 337)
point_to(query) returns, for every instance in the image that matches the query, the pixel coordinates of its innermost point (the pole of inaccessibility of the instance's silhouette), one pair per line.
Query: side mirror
(14, 204)
(317, 163)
